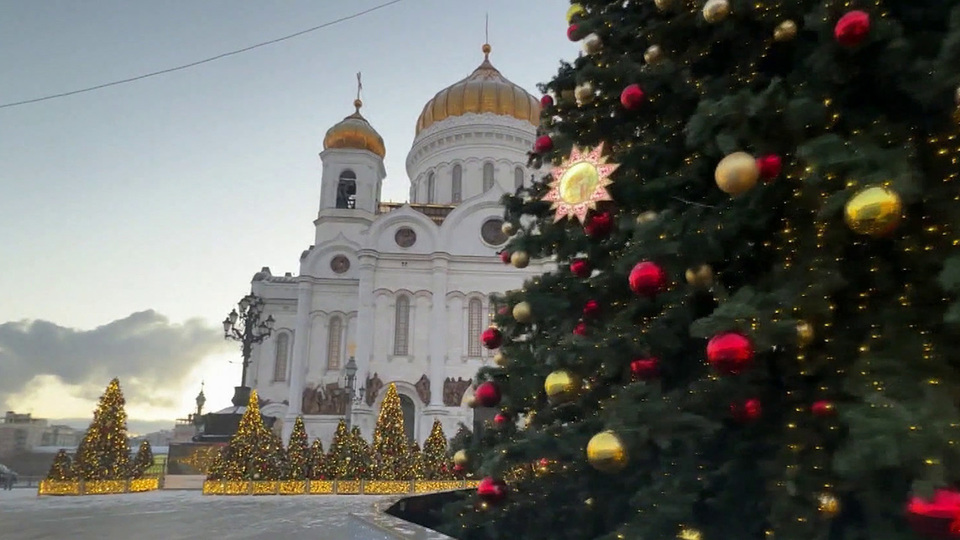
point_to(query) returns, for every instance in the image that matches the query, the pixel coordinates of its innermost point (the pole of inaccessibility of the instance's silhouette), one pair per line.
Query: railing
(27, 482)
(332, 487)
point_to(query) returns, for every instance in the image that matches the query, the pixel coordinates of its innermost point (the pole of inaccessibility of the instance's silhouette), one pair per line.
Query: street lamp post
(246, 328)
(353, 395)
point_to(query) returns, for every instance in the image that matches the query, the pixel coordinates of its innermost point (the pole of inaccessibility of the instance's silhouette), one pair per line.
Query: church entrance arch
(409, 416)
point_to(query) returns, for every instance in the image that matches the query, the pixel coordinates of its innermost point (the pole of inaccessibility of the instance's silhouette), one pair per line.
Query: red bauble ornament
(645, 369)
(647, 278)
(458, 469)
(546, 102)
(823, 408)
(599, 225)
(580, 329)
(591, 309)
(581, 268)
(573, 32)
(770, 166)
(938, 517)
(543, 144)
(487, 394)
(632, 97)
(505, 257)
(491, 338)
(501, 420)
(492, 490)
(746, 411)
(852, 28)
(503, 310)
(544, 462)
(730, 352)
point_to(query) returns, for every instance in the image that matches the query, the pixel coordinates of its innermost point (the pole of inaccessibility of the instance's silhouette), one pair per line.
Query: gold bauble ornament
(592, 44)
(584, 93)
(715, 11)
(471, 401)
(523, 312)
(687, 533)
(460, 458)
(576, 10)
(520, 259)
(701, 276)
(500, 360)
(785, 31)
(562, 386)
(663, 5)
(653, 55)
(828, 505)
(805, 333)
(606, 452)
(507, 228)
(647, 217)
(874, 211)
(737, 173)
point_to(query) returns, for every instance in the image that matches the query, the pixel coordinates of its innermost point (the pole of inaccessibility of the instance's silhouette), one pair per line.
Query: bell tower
(352, 161)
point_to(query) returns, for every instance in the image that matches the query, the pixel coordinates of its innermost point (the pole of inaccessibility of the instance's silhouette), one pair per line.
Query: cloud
(150, 355)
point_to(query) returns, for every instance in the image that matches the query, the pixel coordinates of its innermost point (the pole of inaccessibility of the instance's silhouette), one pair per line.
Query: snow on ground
(175, 515)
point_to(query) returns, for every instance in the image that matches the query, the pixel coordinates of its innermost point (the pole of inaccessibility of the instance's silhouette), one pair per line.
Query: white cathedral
(401, 289)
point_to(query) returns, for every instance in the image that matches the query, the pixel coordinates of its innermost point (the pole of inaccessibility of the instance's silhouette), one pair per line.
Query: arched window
(282, 357)
(487, 176)
(431, 188)
(409, 411)
(474, 327)
(518, 177)
(347, 189)
(334, 342)
(457, 195)
(401, 330)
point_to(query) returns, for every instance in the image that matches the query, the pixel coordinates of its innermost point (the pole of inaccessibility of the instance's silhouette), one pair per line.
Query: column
(438, 337)
(301, 347)
(364, 335)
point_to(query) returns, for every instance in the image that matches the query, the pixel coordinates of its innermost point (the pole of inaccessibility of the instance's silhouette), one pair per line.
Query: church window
(518, 177)
(405, 237)
(431, 188)
(401, 330)
(333, 343)
(474, 327)
(457, 194)
(282, 357)
(347, 190)
(492, 232)
(487, 176)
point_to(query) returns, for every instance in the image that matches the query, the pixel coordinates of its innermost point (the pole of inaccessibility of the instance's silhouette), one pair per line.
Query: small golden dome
(484, 91)
(355, 132)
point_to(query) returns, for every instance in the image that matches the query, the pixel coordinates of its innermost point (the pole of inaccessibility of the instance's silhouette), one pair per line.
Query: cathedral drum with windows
(401, 288)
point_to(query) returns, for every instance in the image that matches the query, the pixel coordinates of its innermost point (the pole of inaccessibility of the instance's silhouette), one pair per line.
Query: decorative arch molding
(319, 313)
(456, 294)
(277, 410)
(404, 214)
(391, 293)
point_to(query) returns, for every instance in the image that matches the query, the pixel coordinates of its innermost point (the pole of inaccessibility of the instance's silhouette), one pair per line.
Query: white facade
(403, 288)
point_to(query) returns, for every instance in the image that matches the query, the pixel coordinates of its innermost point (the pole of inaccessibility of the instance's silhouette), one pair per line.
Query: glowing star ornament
(579, 183)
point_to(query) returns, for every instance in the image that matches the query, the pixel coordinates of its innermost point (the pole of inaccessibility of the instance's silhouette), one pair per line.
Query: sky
(133, 217)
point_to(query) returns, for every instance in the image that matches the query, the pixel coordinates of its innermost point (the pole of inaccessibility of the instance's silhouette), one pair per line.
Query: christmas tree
(142, 461)
(61, 469)
(412, 468)
(751, 329)
(318, 464)
(104, 452)
(338, 457)
(360, 459)
(298, 453)
(390, 445)
(434, 456)
(254, 452)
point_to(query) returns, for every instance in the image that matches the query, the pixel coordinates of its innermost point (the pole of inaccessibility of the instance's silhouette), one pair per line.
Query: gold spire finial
(351, 349)
(358, 102)
(486, 37)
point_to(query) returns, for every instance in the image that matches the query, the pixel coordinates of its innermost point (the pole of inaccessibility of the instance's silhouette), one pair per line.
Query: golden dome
(355, 132)
(484, 91)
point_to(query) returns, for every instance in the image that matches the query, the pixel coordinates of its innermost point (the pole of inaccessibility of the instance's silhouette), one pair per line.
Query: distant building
(20, 433)
(58, 435)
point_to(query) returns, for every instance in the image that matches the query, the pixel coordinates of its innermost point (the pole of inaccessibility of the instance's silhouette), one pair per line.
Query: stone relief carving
(423, 389)
(372, 388)
(453, 391)
(332, 399)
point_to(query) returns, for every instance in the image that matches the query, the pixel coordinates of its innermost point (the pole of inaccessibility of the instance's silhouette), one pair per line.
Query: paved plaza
(174, 515)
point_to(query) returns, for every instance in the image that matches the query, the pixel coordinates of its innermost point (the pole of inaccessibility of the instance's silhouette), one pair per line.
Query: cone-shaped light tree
(142, 461)
(318, 462)
(434, 455)
(104, 452)
(60, 469)
(254, 452)
(361, 461)
(298, 452)
(750, 327)
(390, 445)
(338, 455)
